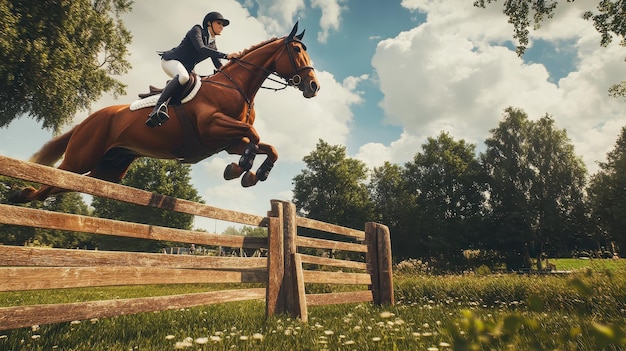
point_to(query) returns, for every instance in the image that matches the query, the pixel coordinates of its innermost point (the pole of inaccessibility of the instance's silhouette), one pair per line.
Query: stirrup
(158, 116)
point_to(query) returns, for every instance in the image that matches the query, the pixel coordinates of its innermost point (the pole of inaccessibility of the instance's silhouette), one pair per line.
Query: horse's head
(295, 66)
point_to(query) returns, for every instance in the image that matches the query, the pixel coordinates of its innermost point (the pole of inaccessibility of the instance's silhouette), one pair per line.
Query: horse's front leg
(248, 151)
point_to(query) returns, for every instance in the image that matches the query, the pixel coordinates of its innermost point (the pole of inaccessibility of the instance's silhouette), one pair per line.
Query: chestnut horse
(220, 118)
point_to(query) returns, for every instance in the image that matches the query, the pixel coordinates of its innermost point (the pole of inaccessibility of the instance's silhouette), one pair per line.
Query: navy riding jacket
(195, 48)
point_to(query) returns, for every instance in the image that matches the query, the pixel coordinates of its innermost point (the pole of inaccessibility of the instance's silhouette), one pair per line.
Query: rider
(197, 45)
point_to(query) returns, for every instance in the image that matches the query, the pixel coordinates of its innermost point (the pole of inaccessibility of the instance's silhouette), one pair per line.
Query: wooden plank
(336, 278)
(385, 272)
(299, 294)
(29, 278)
(46, 257)
(290, 232)
(63, 221)
(339, 298)
(26, 316)
(371, 257)
(330, 228)
(68, 180)
(332, 262)
(275, 299)
(316, 243)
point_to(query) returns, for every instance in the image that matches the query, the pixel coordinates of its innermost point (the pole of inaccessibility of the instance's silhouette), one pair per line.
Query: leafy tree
(393, 206)
(536, 188)
(608, 193)
(332, 188)
(56, 57)
(166, 177)
(445, 183)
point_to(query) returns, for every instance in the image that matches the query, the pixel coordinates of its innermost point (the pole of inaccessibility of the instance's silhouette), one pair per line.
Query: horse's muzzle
(309, 88)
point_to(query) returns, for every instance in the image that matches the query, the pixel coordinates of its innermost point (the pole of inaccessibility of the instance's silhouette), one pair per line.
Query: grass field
(581, 311)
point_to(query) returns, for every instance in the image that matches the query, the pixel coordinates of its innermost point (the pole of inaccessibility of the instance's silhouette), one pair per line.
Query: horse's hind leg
(250, 178)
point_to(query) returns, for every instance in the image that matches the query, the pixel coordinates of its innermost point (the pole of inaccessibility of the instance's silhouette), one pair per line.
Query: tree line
(526, 195)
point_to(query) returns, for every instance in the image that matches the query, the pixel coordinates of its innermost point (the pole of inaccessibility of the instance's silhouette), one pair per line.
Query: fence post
(379, 262)
(290, 230)
(275, 293)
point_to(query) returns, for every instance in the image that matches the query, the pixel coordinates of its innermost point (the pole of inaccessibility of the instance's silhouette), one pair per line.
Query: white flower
(376, 339)
(257, 336)
(169, 337)
(202, 340)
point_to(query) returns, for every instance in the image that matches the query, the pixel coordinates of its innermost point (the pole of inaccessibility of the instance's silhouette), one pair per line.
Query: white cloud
(447, 74)
(331, 16)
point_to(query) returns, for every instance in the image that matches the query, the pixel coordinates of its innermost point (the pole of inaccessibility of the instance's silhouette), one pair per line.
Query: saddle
(186, 90)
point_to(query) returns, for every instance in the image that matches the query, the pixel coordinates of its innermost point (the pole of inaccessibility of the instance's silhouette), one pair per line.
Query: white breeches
(173, 67)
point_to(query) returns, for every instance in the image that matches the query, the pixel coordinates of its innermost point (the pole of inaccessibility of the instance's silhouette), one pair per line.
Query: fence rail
(285, 273)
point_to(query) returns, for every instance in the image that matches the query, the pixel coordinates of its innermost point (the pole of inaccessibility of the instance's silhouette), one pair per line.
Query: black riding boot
(158, 116)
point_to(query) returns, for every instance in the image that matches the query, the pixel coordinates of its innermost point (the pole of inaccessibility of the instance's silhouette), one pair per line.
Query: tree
(536, 186)
(391, 205)
(445, 182)
(608, 194)
(332, 188)
(166, 177)
(56, 57)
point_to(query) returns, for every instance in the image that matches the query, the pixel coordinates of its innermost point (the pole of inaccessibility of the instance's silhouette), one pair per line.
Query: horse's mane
(254, 47)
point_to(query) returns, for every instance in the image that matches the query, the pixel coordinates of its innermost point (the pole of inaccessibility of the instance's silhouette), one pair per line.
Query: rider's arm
(195, 34)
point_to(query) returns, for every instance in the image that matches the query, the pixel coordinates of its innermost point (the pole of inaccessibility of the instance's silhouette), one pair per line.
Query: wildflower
(34, 327)
(329, 332)
(376, 339)
(426, 325)
(444, 344)
(215, 338)
(182, 345)
(386, 315)
(36, 336)
(169, 337)
(349, 342)
(257, 336)
(202, 341)
(243, 337)
(432, 349)
(74, 322)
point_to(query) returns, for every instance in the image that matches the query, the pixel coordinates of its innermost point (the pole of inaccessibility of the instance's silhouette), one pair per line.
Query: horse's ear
(293, 31)
(299, 36)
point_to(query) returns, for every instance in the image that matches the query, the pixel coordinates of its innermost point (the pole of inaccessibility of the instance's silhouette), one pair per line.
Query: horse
(219, 118)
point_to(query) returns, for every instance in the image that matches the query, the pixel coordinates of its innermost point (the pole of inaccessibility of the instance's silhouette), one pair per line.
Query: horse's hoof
(232, 171)
(249, 179)
(18, 196)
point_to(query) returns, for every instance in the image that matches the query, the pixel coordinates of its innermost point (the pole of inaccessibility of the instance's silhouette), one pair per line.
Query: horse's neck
(250, 74)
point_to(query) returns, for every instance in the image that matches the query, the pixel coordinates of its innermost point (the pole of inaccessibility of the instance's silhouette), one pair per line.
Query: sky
(392, 73)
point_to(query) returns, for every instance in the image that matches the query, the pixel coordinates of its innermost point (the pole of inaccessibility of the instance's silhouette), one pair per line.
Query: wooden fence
(293, 260)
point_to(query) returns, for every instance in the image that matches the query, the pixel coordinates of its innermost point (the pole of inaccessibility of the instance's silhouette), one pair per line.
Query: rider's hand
(233, 55)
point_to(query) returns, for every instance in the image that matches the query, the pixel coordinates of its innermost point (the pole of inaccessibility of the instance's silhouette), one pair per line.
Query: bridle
(295, 79)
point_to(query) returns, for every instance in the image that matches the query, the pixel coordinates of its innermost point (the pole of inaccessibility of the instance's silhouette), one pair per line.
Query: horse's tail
(52, 151)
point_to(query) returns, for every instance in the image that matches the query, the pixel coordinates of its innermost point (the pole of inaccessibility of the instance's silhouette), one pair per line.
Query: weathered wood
(290, 230)
(26, 316)
(275, 299)
(339, 298)
(330, 228)
(33, 278)
(63, 221)
(299, 294)
(371, 257)
(385, 274)
(332, 262)
(336, 278)
(45, 257)
(68, 180)
(303, 241)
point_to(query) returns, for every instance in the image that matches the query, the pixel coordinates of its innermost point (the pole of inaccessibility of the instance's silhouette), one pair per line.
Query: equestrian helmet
(212, 16)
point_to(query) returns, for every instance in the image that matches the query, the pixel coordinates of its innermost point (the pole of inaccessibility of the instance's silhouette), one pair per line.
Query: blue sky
(392, 74)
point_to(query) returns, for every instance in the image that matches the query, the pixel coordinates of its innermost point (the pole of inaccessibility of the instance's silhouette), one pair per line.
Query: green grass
(568, 264)
(580, 311)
